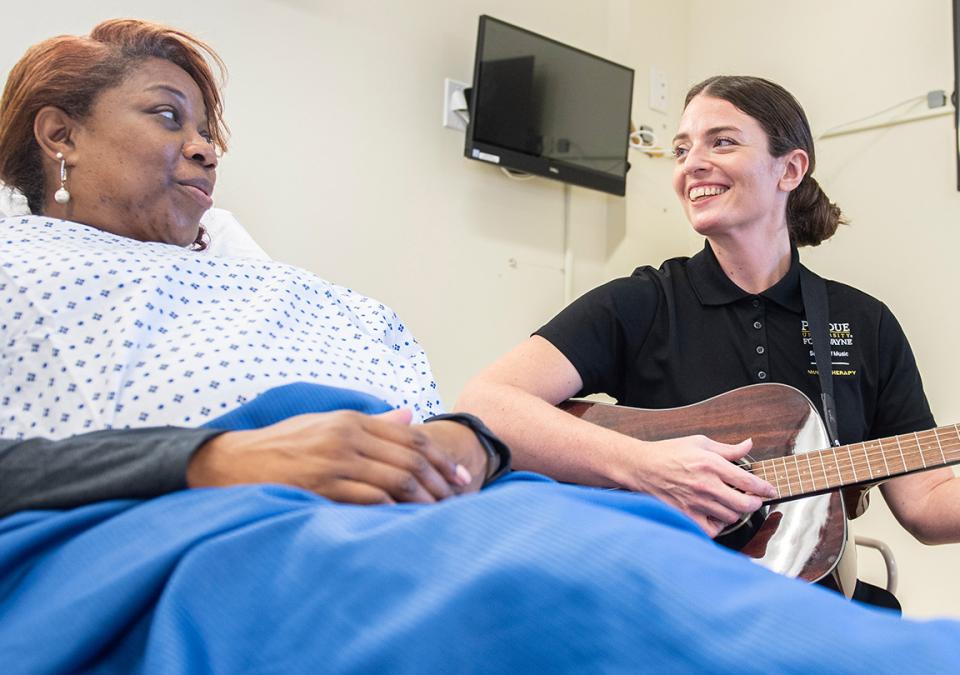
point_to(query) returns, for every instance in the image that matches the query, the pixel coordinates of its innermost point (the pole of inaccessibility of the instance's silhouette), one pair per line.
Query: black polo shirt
(672, 336)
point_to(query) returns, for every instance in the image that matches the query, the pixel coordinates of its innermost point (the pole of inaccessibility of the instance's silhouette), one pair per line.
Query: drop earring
(62, 196)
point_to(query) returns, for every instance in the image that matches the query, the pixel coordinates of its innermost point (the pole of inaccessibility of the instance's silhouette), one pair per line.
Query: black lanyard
(815, 306)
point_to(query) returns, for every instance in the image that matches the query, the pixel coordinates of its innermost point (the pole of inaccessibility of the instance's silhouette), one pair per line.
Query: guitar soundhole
(737, 535)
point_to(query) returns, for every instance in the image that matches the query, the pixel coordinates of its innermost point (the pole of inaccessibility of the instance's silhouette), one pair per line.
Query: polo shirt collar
(713, 286)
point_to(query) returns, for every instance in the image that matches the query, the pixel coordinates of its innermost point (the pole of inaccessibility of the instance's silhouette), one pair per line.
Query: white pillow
(227, 237)
(12, 203)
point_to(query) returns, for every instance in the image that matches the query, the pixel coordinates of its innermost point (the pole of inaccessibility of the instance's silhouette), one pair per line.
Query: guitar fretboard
(832, 468)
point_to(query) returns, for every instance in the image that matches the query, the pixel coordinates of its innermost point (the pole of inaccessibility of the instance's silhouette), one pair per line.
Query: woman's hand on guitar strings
(696, 475)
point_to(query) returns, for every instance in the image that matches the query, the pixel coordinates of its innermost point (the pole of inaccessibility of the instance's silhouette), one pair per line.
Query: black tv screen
(546, 108)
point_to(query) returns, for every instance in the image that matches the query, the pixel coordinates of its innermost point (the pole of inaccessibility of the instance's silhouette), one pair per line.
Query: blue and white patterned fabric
(101, 331)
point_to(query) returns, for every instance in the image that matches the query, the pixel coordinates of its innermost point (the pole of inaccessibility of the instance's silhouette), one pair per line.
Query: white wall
(339, 164)
(845, 60)
(649, 225)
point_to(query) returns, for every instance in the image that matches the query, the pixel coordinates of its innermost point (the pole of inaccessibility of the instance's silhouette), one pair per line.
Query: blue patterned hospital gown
(101, 331)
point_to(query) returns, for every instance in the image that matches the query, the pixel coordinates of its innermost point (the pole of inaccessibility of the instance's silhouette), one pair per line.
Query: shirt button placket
(761, 362)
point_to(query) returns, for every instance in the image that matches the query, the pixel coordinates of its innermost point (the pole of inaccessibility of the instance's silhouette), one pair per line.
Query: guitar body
(804, 538)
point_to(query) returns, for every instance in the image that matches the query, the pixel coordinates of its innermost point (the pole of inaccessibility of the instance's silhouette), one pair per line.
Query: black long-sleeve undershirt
(39, 473)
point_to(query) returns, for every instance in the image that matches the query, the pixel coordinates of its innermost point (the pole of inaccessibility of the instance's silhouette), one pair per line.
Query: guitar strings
(860, 461)
(905, 460)
(798, 479)
(878, 453)
(793, 474)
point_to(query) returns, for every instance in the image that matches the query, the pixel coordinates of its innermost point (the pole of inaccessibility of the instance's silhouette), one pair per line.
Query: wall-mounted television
(549, 109)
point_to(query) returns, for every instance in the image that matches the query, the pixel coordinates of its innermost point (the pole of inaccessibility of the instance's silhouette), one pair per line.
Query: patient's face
(143, 166)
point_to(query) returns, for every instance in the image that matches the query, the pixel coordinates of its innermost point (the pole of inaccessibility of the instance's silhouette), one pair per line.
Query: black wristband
(498, 454)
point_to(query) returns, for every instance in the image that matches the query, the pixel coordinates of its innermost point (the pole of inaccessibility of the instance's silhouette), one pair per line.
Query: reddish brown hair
(69, 72)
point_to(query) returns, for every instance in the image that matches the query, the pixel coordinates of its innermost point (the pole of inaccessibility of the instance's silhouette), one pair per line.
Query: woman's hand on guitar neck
(697, 475)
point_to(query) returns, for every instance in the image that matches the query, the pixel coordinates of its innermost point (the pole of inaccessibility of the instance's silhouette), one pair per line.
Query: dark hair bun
(812, 217)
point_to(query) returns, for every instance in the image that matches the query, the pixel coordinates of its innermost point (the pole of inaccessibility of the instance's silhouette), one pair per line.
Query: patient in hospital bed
(136, 366)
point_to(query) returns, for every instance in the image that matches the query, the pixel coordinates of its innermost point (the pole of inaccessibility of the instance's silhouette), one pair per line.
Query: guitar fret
(786, 472)
(867, 456)
(799, 477)
(810, 469)
(852, 467)
(776, 479)
(940, 446)
(836, 464)
(900, 448)
(920, 448)
(883, 455)
(825, 482)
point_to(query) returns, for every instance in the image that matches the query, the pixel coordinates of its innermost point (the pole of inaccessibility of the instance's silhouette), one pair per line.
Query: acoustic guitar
(803, 531)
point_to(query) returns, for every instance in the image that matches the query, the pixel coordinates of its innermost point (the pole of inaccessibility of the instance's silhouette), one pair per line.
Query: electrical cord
(516, 175)
(645, 140)
(914, 100)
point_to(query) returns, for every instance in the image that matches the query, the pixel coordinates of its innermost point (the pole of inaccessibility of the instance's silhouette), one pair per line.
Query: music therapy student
(730, 316)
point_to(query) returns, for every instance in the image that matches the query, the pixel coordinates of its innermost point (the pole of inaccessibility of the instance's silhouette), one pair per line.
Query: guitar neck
(820, 471)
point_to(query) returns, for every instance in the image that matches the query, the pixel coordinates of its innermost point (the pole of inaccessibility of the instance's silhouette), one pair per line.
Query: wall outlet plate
(455, 113)
(658, 90)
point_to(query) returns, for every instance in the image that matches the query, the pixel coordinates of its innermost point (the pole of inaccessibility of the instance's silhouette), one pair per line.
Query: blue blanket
(528, 575)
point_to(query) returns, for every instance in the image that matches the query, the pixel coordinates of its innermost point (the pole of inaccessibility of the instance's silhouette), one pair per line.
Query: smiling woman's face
(142, 164)
(725, 176)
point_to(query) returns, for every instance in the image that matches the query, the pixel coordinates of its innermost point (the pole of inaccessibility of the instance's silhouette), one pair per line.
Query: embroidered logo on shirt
(841, 340)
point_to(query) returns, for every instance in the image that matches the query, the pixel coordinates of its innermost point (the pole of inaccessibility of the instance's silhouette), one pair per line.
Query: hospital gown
(99, 331)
